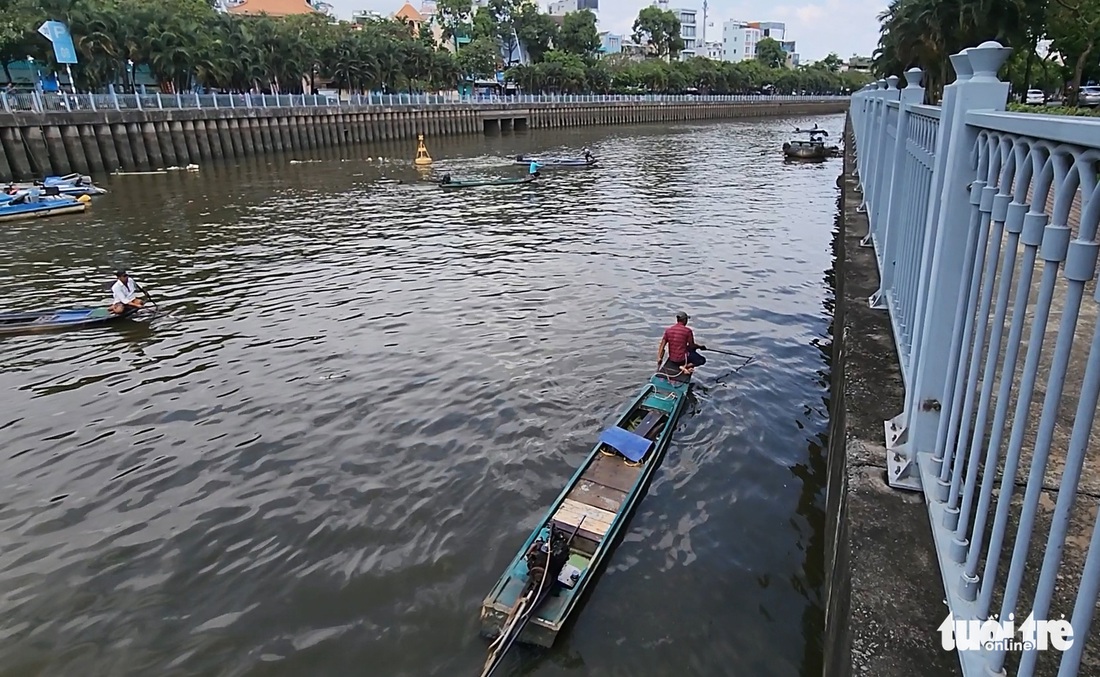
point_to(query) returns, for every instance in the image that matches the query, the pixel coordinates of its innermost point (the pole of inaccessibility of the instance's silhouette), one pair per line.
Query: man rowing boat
(124, 293)
(683, 351)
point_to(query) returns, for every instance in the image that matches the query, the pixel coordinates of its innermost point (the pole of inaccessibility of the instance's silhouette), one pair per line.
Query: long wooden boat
(556, 162)
(66, 318)
(596, 503)
(472, 183)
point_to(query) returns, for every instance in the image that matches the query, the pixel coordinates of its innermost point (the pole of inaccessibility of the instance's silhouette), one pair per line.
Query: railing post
(895, 192)
(870, 129)
(946, 287)
(884, 165)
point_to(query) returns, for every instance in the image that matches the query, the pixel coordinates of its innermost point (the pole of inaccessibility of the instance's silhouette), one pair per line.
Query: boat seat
(629, 444)
(649, 426)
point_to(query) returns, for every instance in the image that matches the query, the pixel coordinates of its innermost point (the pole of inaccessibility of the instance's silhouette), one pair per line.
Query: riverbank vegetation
(924, 33)
(187, 45)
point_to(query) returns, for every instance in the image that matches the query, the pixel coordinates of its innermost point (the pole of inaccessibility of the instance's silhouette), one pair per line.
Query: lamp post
(130, 73)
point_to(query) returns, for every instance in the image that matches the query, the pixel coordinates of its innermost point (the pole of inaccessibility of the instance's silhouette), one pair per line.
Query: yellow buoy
(84, 198)
(422, 157)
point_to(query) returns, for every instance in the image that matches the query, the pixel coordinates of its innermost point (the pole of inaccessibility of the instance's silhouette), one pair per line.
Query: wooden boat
(472, 183)
(595, 505)
(556, 161)
(67, 318)
(29, 204)
(812, 149)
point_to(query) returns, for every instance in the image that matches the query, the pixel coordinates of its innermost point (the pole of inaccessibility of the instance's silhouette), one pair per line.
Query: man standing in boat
(124, 292)
(683, 351)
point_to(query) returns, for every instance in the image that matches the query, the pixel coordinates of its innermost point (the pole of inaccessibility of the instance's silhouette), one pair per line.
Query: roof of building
(272, 7)
(409, 13)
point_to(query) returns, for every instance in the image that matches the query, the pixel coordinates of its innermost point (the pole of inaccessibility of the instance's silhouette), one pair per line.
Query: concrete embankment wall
(89, 142)
(883, 587)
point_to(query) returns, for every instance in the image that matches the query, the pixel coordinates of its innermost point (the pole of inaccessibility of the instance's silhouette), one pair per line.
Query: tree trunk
(1079, 69)
(1030, 61)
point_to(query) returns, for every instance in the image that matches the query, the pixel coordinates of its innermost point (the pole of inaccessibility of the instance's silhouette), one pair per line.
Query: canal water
(365, 393)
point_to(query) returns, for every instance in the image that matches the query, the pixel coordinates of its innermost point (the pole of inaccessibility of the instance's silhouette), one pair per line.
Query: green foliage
(186, 43)
(561, 72)
(924, 33)
(578, 34)
(770, 53)
(479, 59)
(1054, 110)
(659, 30)
(536, 31)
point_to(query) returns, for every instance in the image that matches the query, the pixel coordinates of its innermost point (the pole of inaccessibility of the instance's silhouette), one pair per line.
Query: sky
(819, 27)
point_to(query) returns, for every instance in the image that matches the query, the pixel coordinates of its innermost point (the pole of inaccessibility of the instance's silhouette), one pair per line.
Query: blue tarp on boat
(626, 443)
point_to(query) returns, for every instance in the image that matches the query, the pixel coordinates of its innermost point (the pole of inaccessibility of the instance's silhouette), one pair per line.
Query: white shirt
(124, 293)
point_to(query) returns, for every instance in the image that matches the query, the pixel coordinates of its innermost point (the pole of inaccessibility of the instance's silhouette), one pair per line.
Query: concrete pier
(34, 144)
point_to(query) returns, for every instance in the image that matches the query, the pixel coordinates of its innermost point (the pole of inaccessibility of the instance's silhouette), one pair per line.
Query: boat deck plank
(597, 495)
(597, 521)
(612, 471)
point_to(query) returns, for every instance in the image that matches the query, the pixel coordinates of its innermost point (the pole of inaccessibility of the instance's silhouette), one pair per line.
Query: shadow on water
(368, 392)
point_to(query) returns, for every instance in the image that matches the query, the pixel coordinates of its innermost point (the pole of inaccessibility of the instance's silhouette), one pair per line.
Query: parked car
(1035, 97)
(1089, 96)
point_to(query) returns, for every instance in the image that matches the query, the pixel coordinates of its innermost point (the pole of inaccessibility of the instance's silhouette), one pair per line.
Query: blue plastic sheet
(626, 443)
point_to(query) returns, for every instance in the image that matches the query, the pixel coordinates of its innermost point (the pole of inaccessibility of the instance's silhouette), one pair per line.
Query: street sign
(58, 33)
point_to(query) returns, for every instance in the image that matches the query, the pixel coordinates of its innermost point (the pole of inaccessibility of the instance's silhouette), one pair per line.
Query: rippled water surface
(367, 393)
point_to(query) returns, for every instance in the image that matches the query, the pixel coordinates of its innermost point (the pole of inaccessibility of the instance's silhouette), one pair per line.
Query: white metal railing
(984, 225)
(60, 102)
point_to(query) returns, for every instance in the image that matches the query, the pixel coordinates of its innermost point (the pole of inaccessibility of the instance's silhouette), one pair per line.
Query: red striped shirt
(679, 339)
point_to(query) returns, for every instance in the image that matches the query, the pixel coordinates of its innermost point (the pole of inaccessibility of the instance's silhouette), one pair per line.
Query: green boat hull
(605, 489)
(485, 182)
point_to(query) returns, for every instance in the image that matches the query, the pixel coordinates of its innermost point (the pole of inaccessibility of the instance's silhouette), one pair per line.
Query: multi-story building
(858, 63)
(714, 51)
(689, 28)
(563, 7)
(739, 40)
(610, 43)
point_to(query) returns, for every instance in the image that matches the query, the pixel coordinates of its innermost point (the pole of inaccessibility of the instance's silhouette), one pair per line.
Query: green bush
(1054, 110)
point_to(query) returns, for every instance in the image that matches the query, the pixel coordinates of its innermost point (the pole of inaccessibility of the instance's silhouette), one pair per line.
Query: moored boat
(813, 148)
(29, 204)
(539, 590)
(555, 161)
(65, 318)
(448, 183)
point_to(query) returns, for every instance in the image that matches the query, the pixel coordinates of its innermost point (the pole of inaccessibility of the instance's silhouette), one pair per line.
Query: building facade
(714, 51)
(739, 40)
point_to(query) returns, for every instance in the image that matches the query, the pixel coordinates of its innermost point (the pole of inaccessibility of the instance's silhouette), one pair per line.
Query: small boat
(29, 204)
(448, 183)
(812, 149)
(532, 601)
(62, 188)
(556, 161)
(46, 320)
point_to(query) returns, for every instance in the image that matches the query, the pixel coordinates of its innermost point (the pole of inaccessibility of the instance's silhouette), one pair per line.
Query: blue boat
(29, 204)
(543, 584)
(73, 185)
(66, 318)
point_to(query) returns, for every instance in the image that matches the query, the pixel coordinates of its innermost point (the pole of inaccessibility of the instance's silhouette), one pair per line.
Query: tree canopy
(924, 33)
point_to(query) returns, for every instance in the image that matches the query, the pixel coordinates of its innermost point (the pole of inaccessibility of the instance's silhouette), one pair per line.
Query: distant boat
(66, 318)
(447, 183)
(812, 149)
(29, 204)
(556, 161)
